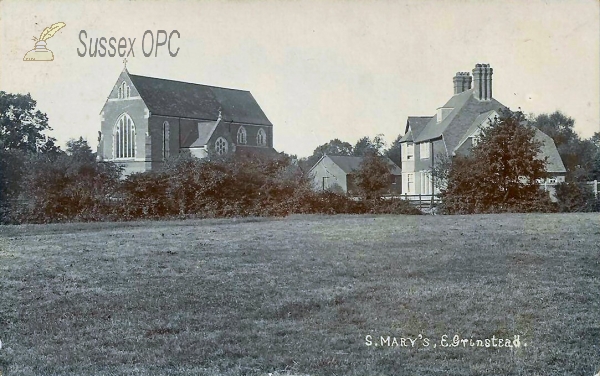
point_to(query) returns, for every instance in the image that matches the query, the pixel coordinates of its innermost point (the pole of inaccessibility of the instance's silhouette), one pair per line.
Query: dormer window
(442, 112)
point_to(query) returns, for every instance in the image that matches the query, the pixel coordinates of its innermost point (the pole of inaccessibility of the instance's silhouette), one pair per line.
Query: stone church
(146, 120)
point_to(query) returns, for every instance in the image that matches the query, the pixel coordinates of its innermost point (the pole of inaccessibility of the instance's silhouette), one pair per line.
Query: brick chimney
(482, 80)
(462, 82)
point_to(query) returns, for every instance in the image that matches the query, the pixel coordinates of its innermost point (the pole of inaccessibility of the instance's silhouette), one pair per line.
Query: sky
(319, 69)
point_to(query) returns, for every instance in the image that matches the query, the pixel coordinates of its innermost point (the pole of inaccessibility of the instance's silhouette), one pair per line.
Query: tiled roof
(414, 126)
(351, 164)
(480, 120)
(466, 108)
(188, 100)
(555, 163)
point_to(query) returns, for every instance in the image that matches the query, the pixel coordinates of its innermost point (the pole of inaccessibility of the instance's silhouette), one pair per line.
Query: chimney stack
(462, 82)
(482, 79)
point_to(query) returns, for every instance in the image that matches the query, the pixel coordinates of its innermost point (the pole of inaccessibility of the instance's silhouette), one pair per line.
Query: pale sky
(319, 69)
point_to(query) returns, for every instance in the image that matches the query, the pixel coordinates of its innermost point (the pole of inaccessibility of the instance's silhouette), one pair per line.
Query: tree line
(39, 182)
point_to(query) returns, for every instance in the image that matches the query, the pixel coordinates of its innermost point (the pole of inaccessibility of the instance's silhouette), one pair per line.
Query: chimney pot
(482, 82)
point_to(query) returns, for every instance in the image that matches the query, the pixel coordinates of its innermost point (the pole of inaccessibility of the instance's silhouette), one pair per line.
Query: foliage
(66, 189)
(577, 155)
(367, 145)
(22, 126)
(333, 147)
(373, 176)
(12, 168)
(394, 152)
(576, 197)
(80, 150)
(502, 172)
(441, 171)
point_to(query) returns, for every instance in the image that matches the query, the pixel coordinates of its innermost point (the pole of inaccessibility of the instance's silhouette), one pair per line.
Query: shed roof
(350, 164)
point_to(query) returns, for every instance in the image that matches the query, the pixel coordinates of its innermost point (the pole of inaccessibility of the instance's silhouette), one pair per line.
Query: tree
(80, 150)
(22, 126)
(502, 172)
(576, 154)
(373, 176)
(395, 151)
(365, 145)
(333, 147)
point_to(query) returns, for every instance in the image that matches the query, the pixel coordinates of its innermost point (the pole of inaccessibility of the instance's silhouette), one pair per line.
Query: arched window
(166, 131)
(241, 135)
(124, 138)
(261, 137)
(124, 91)
(221, 146)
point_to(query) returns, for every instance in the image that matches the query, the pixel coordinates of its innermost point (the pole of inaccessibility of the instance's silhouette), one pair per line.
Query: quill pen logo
(40, 52)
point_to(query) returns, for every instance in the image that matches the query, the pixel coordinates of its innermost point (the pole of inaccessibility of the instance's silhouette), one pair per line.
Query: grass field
(302, 295)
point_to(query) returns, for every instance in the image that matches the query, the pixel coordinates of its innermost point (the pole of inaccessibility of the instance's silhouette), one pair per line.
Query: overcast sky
(319, 69)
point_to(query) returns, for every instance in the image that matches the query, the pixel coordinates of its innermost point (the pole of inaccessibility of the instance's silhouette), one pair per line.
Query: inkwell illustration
(40, 52)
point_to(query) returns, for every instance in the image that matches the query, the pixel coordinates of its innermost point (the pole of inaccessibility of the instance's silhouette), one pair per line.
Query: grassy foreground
(301, 295)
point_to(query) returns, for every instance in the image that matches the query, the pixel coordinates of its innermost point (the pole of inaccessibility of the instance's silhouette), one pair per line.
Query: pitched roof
(196, 135)
(479, 121)
(466, 108)
(351, 164)
(414, 126)
(189, 100)
(555, 163)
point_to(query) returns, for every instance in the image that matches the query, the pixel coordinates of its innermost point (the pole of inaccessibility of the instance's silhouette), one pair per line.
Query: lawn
(304, 295)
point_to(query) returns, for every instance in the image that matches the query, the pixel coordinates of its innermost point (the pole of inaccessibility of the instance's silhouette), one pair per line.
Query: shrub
(576, 197)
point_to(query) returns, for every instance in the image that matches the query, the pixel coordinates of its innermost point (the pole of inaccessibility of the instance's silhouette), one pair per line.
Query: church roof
(188, 100)
(465, 109)
(414, 126)
(350, 164)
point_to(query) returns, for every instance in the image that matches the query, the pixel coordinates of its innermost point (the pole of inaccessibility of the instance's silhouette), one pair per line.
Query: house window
(124, 138)
(166, 137)
(221, 146)
(241, 135)
(120, 92)
(410, 182)
(261, 137)
(410, 151)
(424, 150)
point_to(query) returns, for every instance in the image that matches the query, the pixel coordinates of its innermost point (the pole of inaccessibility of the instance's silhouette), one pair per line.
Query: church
(146, 120)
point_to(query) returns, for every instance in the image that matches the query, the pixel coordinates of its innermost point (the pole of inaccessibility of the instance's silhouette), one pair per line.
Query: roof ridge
(189, 83)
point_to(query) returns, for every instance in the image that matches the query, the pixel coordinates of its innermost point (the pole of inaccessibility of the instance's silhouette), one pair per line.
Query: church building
(146, 120)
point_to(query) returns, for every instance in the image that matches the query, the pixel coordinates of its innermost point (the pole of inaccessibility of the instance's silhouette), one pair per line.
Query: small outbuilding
(336, 173)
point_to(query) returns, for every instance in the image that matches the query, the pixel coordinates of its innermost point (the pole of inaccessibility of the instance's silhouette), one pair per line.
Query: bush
(576, 197)
(65, 189)
(75, 189)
